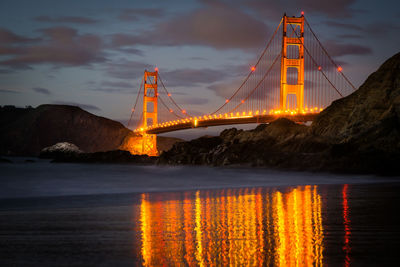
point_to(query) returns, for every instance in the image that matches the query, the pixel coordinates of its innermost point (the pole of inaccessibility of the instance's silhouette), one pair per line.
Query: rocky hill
(358, 133)
(25, 131)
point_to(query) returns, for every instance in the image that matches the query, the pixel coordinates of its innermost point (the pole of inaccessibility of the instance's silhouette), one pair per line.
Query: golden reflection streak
(188, 226)
(318, 226)
(199, 247)
(279, 226)
(298, 227)
(260, 231)
(229, 228)
(146, 231)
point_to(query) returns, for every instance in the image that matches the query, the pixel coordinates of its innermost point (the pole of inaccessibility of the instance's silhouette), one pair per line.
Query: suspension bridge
(294, 77)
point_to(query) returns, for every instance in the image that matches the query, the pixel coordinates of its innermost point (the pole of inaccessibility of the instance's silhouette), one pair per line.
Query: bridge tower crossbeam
(297, 63)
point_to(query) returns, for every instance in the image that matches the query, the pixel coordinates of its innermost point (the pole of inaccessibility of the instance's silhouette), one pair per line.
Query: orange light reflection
(247, 226)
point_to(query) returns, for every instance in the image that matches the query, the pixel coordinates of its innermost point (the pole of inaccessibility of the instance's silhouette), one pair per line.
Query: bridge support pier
(288, 62)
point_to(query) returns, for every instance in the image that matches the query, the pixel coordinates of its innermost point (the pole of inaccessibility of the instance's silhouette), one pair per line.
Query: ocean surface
(125, 215)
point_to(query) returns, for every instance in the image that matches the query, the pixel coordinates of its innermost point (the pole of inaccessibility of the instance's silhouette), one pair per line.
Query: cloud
(41, 90)
(116, 84)
(60, 46)
(191, 77)
(8, 91)
(82, 106)
(226, 88)
(7, 37)
(66, 19)
(216, 25)
(378, 28)
(338, 8)
(347, 26)
(337, 49)
(115, 90)
(273, 9)
(124, 69)
(350, 36)
(194, 101)
(133, 14)
(130, 50)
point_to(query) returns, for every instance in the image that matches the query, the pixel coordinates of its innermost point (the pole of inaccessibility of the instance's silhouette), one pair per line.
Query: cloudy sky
(93, 53)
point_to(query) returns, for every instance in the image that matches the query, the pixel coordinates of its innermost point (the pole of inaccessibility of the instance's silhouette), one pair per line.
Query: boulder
(59, 149)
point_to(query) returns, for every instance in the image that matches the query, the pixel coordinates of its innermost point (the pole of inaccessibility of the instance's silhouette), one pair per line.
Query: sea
(63, 214)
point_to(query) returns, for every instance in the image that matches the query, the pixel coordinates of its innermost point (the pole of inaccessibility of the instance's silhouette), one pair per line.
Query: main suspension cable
(136, 101)
(170, 97)
(251, 72)
(259, 83)
(330, 58)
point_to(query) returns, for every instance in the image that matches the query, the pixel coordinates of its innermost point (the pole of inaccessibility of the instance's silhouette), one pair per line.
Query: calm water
(101, 215)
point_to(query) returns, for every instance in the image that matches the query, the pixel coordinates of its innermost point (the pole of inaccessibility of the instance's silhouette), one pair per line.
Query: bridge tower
(297, 25)
(149, 145)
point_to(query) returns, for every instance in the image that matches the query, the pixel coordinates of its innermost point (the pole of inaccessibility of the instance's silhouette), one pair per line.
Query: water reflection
(346, 222)
(255, 227)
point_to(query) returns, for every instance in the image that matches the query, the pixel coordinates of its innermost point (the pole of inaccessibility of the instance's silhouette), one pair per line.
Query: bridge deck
(189, 124)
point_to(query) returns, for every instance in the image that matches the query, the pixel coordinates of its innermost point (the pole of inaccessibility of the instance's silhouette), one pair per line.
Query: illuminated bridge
(294, 77)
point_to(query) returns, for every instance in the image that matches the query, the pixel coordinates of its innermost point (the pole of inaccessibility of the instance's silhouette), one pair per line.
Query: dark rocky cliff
(27, 131)
(359, 133)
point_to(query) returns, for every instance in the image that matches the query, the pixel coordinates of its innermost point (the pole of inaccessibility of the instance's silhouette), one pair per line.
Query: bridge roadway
(201, 122)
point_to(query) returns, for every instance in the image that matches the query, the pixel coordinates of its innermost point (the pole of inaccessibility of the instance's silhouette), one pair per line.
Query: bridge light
(257, 112)
(250, 113)
(171, 110)
(302, 13)
(155, 69)
(195, 123)
(237, 114)
(226, 101)
(169, 94)
(231, 115)
(183, 111)
(319, 68)
(244, 113)
(339, 69)
(264, 111)
(157, 94)
(133, 110)
(253, 68)
(242, 101)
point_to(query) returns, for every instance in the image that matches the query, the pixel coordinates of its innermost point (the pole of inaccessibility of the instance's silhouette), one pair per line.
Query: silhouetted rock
(359, 133)
(26, 131)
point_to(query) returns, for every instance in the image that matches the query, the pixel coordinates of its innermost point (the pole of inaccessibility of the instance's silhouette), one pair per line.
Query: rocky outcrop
(359, 133)
(26, 131)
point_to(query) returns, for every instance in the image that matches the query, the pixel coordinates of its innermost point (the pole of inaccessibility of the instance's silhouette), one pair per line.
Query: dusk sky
(93, 53)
